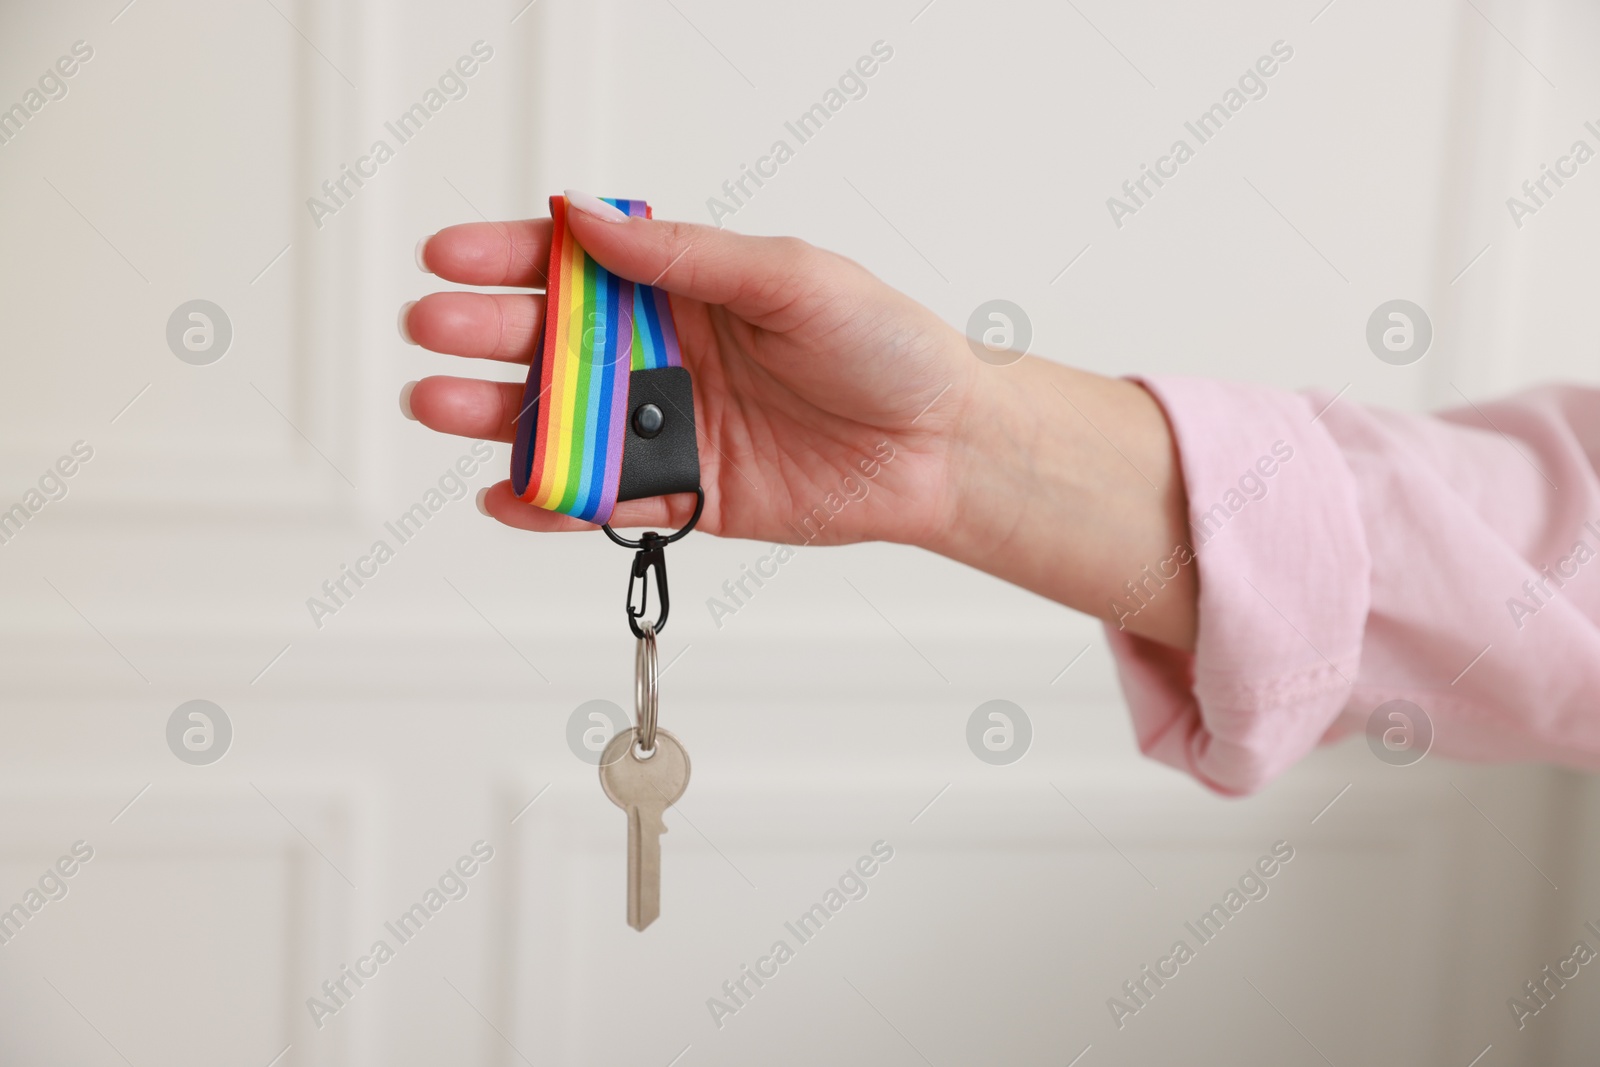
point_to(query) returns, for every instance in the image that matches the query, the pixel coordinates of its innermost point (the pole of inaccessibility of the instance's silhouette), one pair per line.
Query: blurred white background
(371, 752)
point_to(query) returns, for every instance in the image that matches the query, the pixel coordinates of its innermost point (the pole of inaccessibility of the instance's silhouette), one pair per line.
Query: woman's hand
(806, 366)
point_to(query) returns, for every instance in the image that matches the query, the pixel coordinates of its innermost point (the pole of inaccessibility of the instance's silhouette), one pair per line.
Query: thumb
(751, 276)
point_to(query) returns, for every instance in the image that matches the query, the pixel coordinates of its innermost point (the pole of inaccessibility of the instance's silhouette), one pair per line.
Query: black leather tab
(669, 460)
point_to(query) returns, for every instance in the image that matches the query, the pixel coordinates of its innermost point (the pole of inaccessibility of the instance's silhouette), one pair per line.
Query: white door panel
(375, 745)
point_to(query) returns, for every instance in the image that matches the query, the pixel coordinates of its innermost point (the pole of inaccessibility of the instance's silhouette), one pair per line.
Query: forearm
(1068, 484)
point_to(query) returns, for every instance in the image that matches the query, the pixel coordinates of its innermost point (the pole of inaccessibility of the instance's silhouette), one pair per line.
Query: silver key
(645, 789)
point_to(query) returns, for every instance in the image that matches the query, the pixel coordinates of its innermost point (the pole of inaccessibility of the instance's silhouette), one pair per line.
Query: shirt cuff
(1284, 577)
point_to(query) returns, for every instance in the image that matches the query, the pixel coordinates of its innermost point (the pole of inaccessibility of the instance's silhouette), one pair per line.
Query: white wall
(370, 753)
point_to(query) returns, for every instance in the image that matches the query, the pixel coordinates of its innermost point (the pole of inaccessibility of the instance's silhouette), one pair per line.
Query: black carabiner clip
(652, 555)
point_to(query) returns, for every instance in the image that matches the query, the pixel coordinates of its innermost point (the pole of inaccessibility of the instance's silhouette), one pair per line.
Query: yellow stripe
(565, 379)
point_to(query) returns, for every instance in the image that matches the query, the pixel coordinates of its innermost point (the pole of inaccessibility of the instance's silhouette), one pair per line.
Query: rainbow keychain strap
(608, 411)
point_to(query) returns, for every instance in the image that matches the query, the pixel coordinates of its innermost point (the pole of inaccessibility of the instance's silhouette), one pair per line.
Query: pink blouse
(1350, 556)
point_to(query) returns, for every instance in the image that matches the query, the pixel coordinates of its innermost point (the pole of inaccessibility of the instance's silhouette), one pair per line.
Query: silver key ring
(646, 691)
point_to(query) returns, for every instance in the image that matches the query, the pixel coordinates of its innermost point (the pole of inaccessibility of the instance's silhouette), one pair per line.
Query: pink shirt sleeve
(1350, 556)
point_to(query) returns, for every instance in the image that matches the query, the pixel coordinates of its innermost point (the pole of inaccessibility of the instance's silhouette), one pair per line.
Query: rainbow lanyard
(608, 411)
(598, 328)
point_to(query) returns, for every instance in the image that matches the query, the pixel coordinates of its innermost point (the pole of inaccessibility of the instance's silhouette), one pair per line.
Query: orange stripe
(553, 413)
(546, 348)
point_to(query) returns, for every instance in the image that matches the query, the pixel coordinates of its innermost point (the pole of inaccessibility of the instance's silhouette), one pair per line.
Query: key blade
(644, 866)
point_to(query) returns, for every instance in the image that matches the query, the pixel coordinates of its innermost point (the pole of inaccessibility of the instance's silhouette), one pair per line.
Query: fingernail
(405, 331)
(405, 400)
(593, 205)
(483, 495)
(422, 249)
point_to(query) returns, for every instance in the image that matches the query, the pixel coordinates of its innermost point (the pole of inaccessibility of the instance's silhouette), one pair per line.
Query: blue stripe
(652, 318)
(600, 403)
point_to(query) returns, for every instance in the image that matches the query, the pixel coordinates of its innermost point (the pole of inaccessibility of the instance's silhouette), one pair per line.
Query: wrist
(989, 473)
(1068, 483)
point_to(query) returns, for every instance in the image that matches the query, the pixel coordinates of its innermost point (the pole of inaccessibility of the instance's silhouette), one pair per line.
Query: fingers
(467, 407)
(753, 276)
(503, 326)
(489, 253)
(501, 503)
